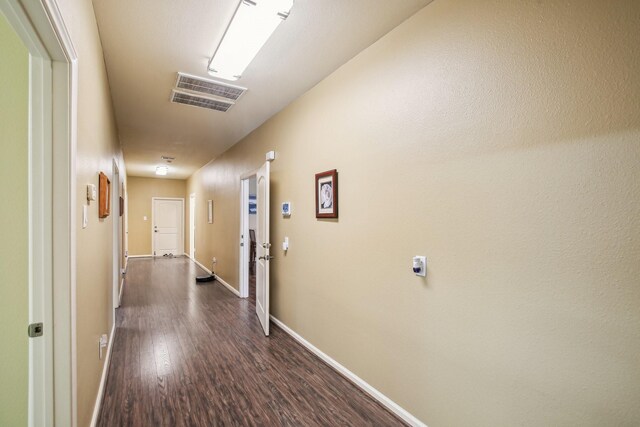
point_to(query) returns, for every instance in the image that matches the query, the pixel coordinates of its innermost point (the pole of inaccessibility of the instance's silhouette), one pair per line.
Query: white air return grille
(200, 101)
(209, 87)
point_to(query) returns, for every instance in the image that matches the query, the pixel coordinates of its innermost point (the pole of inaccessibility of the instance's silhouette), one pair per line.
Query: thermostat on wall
(286, 209)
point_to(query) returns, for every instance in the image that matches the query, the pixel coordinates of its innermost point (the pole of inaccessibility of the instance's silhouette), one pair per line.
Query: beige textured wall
(14, 228)
(98, 145)
(140, 192)
(501, 139)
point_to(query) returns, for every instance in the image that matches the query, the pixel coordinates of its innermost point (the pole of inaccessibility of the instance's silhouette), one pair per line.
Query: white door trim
(115, 209)
(192, 226)
(53, 113)
(244, 233)
(245, 242)
(180, 250)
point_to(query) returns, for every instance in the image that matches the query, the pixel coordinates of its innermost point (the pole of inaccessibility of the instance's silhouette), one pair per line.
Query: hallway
(195, 355)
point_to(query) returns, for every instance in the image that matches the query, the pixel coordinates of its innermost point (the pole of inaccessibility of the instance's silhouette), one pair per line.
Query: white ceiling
(146, 42)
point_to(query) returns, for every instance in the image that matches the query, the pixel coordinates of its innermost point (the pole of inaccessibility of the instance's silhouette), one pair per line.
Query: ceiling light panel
(209, 87)
(200, 101)
(250, 28)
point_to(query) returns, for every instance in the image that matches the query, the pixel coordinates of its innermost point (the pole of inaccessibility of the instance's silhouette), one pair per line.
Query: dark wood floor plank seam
(195, 355)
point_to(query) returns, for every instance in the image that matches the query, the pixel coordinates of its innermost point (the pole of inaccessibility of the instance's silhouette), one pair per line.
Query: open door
(262, 247)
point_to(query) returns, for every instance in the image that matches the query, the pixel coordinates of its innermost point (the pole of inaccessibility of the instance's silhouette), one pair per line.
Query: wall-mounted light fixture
(162, 170)
(251, 26)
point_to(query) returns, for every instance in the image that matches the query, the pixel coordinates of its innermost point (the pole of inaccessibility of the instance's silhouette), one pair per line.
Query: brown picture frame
(105, 196)
(327, 194)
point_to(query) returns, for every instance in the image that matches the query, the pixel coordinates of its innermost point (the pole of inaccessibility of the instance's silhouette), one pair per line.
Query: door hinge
(35, 330)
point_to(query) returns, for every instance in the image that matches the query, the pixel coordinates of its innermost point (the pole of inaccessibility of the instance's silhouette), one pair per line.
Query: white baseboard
(359, 382)
(218, 278)
(120, 294)
(140, 256)
(200, 265)
(103, 380)
(228, 286)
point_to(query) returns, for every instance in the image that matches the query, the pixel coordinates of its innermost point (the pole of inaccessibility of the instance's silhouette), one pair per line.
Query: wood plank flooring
(195, 355)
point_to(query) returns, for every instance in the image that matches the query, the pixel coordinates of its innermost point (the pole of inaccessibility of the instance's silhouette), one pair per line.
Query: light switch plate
(91, 192)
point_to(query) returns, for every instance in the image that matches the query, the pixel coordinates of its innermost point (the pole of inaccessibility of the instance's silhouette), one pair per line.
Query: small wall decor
(210, 211)
(327, 194)
(104, 188)
(253, 204)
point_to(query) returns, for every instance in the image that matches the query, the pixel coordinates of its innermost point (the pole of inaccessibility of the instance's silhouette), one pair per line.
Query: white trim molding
(120, 293)
(228, 286)
(356, 380)
(103, 379)
(139, 256)
(218, 278)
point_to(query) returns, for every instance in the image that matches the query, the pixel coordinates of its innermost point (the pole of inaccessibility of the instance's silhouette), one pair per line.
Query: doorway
(51, 153)
(248, 225)
(168, 226)
(254, 242)
(192, 226)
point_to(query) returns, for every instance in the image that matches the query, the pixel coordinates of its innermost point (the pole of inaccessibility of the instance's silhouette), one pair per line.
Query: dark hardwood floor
(195, 355)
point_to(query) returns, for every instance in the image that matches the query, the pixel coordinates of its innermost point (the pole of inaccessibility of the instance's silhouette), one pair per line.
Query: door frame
(244, 233)
(192, 226)
(53, 85)
(117, 244)
(181, 227)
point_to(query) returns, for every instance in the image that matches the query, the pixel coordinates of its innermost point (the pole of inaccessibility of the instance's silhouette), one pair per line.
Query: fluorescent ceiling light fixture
(251, 26)
(162, 170)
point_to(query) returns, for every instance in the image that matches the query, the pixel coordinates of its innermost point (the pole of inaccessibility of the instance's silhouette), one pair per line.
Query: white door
(167, 225)
(262, 247)
(192, 226)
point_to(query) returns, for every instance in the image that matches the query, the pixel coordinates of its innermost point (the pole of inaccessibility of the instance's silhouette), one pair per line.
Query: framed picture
(327, 194)
(104, 187)
(210, 211)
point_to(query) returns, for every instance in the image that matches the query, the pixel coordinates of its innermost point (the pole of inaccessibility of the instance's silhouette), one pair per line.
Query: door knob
(266, 257)
(266, 245)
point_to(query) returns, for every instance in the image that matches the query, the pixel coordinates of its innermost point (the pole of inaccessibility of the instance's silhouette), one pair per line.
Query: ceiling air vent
(209, 87)
(200, 101)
